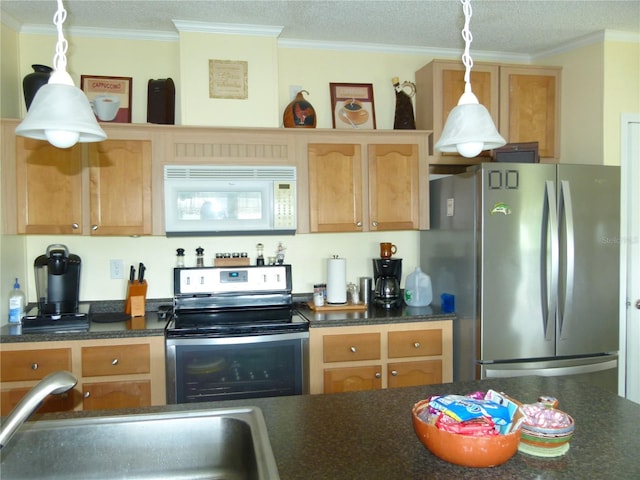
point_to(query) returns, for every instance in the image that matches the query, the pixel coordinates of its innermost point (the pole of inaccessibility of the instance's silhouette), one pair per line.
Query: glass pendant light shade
(469, 130)
(61, 114)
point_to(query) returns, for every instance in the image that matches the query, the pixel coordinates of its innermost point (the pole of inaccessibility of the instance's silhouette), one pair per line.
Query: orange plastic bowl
(465, 450)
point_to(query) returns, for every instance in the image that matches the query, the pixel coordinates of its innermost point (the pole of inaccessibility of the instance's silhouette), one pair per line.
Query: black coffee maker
(387, 273)
(57, 281)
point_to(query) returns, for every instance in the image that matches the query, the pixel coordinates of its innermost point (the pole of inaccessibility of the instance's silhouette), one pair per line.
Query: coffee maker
(387, 273)
(57, 275)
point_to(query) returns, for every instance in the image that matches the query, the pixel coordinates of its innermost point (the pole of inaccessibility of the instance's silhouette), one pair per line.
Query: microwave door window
(238, 210)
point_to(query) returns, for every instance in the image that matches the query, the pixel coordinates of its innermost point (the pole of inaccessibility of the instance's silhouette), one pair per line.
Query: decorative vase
(299, 113)
(404, 119)
(33, 81)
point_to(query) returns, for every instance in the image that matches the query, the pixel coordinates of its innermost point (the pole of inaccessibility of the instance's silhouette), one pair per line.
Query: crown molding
(597, 37)
(402, 50)
(97, 32)
(10, 21)
(228, 28)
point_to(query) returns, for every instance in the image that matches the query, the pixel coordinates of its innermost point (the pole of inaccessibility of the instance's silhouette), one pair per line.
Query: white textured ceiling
(504, 26)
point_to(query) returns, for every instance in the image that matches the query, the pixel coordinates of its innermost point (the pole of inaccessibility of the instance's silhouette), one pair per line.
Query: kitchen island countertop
(369, 435)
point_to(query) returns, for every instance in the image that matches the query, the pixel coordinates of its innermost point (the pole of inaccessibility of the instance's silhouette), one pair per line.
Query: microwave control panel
(284, 205)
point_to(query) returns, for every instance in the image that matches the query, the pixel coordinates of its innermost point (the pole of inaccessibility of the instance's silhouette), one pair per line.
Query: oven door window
(237, 371)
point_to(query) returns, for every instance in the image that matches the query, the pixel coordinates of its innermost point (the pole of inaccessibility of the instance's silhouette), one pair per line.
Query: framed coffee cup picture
(352, 105)
(110, 97)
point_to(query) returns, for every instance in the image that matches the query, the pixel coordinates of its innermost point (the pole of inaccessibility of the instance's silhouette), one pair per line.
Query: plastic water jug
(417, 289)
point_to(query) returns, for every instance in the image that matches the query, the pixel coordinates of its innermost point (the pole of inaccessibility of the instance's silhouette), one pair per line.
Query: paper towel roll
(336, 280)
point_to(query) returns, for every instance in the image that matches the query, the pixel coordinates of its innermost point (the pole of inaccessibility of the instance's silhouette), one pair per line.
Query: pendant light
(60, 112)
(469, 128)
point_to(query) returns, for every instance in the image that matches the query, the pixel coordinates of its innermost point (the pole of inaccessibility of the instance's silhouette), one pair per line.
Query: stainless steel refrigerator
(531, 254)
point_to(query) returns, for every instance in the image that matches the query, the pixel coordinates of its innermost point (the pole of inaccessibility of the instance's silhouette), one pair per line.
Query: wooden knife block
(136, 298)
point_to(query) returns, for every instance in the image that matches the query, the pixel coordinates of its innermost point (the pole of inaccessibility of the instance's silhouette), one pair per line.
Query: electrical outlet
(117, 269)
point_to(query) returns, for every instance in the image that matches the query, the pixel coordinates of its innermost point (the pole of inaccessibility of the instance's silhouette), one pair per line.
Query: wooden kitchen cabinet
(28, 366)
(120, 187)
(112, 373)
(523, 101)
(439, 85)
(364, 357)
(99, 188)
(48, 188)
(352, 191)
(530, 107)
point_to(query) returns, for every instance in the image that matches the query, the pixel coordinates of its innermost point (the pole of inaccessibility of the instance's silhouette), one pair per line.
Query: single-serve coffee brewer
(57, 275)
(387, 273)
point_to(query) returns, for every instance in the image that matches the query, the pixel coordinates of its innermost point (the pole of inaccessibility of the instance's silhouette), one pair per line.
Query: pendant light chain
(60, 57)
(467, 61)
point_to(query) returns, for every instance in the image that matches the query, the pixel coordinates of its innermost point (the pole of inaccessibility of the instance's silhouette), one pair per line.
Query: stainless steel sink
(213, 444)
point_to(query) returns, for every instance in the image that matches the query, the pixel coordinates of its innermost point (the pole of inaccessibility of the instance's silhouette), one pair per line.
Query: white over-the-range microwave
(229, 200)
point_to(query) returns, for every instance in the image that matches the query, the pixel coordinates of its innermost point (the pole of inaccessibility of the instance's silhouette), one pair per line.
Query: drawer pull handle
(353, 349)
(114, 361)
(417, 344)
(75, 226)
(378, 375)
(34, 366)
(394, 373)
(87, 394)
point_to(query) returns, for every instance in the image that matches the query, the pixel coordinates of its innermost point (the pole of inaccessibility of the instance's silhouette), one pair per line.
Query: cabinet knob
(114, 361)
(416, 345)
(375, 224)
(75, 226)
(34, 366)
(86, 394)
(394, 373)
(353, 349)
(358, 224)
(378, 375)
(94, 228)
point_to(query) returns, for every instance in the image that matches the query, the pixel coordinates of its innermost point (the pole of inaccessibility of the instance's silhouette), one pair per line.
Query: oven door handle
(201, 339)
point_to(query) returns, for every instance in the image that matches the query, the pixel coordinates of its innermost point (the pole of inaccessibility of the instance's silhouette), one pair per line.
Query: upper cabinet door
(335, 187)
(393, 187)
(120, 187)
(529, 107)
(48, 188)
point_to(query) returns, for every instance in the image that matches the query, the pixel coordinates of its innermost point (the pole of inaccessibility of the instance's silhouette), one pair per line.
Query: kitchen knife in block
(136, 297)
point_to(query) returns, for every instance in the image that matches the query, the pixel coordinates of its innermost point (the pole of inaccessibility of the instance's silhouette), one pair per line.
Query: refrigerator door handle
(550, 280)
(564, 313)
(497, 372)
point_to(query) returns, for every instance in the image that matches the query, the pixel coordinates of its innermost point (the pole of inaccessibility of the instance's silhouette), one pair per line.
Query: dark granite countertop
(371, 316)
(369, 435)
(149, 325)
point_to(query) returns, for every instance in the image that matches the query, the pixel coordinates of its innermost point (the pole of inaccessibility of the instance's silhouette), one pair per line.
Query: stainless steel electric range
(234, 334)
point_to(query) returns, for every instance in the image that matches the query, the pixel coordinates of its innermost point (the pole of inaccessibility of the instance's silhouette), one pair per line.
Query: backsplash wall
(306, 253)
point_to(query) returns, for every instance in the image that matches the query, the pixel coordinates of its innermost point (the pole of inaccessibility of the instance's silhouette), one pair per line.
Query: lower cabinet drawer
(352, 379)
(351, 347)
(409, 374)
(53, 403)
(107, 395)
(115, 360)
(25, 365)
(415, 343)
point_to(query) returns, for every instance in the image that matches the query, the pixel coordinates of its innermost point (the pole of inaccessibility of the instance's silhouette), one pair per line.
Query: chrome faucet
(53, 384)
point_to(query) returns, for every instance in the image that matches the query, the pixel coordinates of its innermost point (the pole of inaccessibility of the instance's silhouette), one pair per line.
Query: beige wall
(587, 132)
(260, 109)
(581, 105)
(11, 89)
(621, 93)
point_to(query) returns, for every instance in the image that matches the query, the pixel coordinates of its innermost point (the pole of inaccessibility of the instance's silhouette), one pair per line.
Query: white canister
(336, 280)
